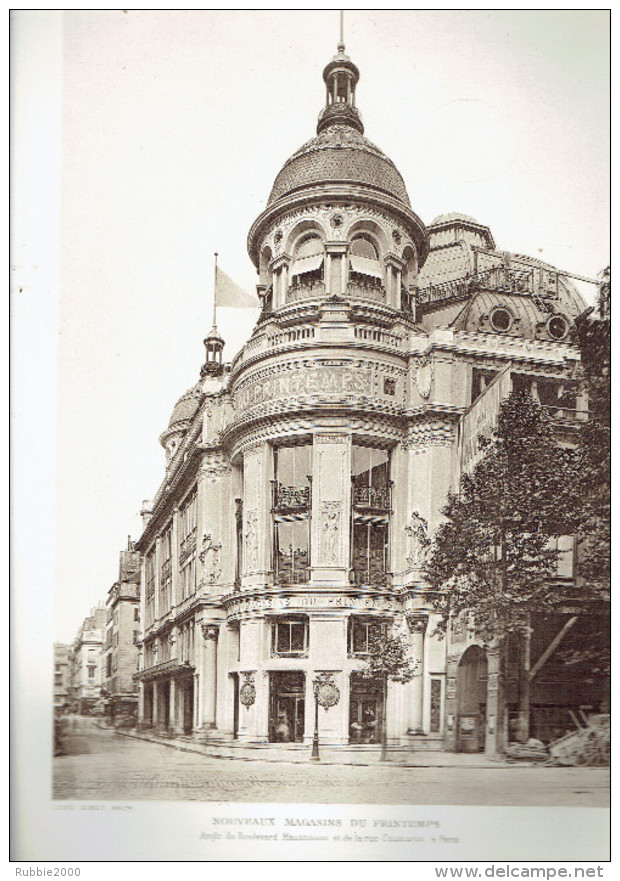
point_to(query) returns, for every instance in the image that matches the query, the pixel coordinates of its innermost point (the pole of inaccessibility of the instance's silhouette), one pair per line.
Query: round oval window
(501, 319)
(558, 327)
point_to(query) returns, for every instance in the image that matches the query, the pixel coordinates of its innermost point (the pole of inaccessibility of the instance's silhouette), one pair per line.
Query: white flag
(228, 294)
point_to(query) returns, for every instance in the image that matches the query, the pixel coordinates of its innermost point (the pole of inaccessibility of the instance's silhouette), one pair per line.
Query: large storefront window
(291, 514)
(371, 502)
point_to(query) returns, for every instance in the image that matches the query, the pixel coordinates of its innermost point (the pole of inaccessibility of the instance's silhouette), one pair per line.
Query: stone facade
(306, 476)
(85, 663)
(120, 655)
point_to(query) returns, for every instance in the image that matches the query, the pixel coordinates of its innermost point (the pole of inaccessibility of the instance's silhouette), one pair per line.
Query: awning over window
(373, 519)
(307, 264)
(366, 266)
(290, 518)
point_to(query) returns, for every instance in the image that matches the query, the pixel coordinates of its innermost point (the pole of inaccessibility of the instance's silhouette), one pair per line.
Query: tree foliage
(389, 658)
(494, 555)
(594, 337)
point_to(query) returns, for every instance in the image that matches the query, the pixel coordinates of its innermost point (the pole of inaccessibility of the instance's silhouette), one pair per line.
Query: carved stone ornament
(251, 540)
(424, 377)
(418, 541)
(247, 692)
(396, 236)
(210, 557)
(326, 691)
(417, 623)
(330, 531)
(209, 631)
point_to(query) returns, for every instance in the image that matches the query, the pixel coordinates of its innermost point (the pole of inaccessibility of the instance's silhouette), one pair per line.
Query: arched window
(308, 247)
(363, 246)
(265, 270)
(366, 270)
(307, 267)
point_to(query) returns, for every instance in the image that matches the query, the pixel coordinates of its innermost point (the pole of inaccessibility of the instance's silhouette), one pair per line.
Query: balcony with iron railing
(366, 289)
(290, 498)
(517, 279)
(372, 498)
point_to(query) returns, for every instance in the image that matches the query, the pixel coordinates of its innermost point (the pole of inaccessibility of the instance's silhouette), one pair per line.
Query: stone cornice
(504, 348)
(282, 600)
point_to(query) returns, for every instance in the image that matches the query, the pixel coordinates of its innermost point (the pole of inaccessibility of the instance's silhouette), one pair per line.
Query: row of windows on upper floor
(365, 272)
(289, 638)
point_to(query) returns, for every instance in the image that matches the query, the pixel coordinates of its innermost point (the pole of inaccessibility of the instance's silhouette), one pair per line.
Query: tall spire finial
(214, 343)
(341, 43)
(215, 293)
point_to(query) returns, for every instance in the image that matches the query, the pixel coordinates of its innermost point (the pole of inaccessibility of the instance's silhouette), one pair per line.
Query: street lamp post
(315, 757)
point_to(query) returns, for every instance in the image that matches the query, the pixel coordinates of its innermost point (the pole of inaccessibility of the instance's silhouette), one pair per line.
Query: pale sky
(161, 142)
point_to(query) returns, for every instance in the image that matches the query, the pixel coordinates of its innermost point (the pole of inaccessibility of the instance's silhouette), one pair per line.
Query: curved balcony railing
(290, 498)
(372, 498)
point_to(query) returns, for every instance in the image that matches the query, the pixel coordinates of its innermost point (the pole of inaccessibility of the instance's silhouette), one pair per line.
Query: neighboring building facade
(303, 478)
(61, 676)
(122, 633)
(85, 659)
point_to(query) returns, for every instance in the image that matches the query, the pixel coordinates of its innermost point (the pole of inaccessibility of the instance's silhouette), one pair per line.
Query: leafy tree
(594, 337)
(388, 660)
(494, 557)
(593, 334)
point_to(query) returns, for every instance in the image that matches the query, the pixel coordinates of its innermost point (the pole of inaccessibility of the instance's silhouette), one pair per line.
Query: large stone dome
(339, 154)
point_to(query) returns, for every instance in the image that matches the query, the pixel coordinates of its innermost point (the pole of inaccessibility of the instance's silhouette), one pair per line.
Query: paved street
(102, 765)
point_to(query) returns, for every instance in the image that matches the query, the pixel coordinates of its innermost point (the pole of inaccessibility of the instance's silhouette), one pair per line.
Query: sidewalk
(329, 755)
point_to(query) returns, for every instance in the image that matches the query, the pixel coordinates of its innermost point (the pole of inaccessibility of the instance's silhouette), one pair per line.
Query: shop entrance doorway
(287, 707)
(365, 710)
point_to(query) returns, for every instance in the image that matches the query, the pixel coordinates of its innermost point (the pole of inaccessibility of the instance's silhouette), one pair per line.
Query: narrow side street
(103, 765)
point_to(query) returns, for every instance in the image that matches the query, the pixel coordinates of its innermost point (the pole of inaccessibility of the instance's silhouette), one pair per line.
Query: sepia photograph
(311, 435)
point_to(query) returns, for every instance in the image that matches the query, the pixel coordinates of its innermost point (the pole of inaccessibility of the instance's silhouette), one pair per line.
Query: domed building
(303, 479)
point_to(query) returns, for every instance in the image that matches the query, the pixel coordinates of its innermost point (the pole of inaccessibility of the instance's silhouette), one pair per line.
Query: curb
(199, 750)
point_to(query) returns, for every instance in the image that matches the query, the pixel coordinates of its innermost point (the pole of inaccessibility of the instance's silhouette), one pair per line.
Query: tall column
(280, 279)
(140, 704)
(172, 705)
(493, 736)
(331, 508)
(335, 276)
(155, 705)
(417, 626)
(209, 674)
(394, 267)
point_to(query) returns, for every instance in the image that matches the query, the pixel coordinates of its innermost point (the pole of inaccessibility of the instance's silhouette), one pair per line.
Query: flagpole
(215, 293)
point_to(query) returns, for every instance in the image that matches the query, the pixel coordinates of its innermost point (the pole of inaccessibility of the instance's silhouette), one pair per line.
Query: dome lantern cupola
(341, 77)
